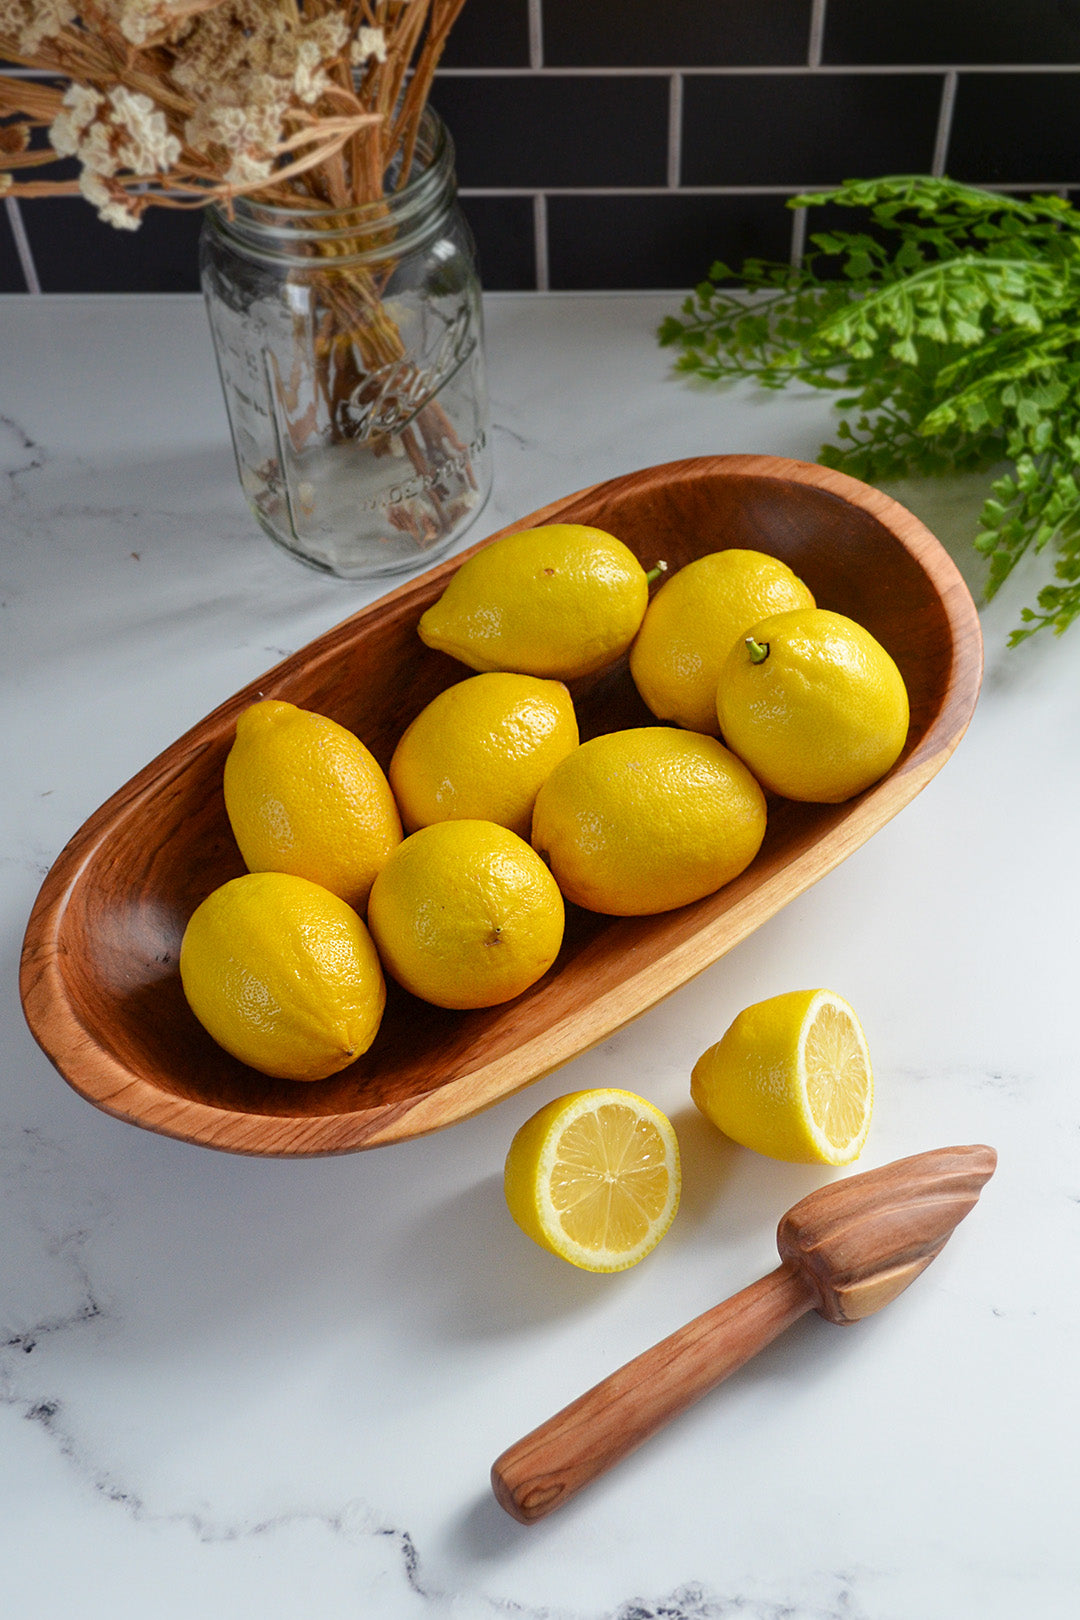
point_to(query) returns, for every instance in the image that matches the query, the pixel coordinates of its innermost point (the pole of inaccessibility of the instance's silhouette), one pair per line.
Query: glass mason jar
(350, 347)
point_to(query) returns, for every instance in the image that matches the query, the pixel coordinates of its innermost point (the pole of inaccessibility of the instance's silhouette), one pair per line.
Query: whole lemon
(481, 749)
(283, 975)
(814, 705)
(305, 796)
(465, 914)
(640, 821)
(560, 601)
(693, 622)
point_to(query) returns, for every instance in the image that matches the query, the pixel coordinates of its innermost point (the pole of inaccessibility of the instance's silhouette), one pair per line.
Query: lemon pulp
(594, 1177)
(837, 1073)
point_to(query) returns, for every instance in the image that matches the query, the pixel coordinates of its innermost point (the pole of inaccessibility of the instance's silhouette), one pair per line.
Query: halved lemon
(594, 1177)
(791, 1078)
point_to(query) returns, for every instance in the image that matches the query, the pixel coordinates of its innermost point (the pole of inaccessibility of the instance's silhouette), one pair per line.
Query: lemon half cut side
(791, 1079)
(838, 1077)
(594, 1177)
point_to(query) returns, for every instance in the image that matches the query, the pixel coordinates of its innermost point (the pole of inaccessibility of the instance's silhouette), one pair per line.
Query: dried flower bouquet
(183, 102)
(291, 104)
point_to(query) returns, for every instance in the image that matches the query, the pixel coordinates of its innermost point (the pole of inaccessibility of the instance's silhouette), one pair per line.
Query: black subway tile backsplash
(75, 252)
(489, 34)
(618, 143)
(560, 131)
(686, 33)
(505, 239)
(12, 278)
(663, 240)
(1015, 128)
(798, 129)
(952, 31)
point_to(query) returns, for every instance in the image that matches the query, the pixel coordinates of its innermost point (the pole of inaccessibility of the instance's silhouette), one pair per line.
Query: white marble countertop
(235, 1387)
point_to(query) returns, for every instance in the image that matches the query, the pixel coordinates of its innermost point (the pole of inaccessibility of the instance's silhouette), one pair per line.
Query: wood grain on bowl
(100, 985)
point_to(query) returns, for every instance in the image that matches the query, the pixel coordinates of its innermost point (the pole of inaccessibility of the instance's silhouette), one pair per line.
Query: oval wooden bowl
(99, 980)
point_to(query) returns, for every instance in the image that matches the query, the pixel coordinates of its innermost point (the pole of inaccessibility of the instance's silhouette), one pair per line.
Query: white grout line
(790, 190)
(540, 238)
(674, 151)
(536, 35)
(22, 245)
(539, 197)
(944, 128)
(817, 33)
(792, 69)
(845, 70)
(798, 236)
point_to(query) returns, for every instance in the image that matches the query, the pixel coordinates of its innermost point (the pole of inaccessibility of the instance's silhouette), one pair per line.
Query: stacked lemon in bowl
(635, 821)
(352, 873)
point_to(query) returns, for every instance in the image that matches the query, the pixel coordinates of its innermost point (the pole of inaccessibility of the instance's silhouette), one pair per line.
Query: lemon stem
(759, 650)
(654, 573)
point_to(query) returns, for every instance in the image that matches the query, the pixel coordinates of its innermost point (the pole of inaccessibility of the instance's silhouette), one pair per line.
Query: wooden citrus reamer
(846, 1250)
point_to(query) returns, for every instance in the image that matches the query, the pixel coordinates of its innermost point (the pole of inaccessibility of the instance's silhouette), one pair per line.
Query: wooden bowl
(100, 985)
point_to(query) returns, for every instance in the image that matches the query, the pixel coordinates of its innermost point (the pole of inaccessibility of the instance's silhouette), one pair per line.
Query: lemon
(639, 821)
(694, 620)
(791, 1078)
(594, 1177)
(465, 914)
(481, 750)
(814, 705)
(305, 796)
(283, 975)
(560, 601)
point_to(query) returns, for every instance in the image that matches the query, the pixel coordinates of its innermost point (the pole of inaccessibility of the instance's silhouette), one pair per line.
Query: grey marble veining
(234, 1386)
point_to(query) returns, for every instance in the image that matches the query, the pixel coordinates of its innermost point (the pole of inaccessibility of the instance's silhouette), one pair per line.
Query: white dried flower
(113, 207)
(78, 108)
(140, 20)
(248, 132)
(120, 216)
(34, 21)
(245, 170)
(319, 43)
(368, 46)
(96, 149)
(94, 188)
(148, 148)
(225, 47)
(145, 22)
(310, 78)
(329, 35)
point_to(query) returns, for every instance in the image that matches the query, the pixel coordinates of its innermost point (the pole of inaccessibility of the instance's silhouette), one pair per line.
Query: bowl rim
(103, 1080)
